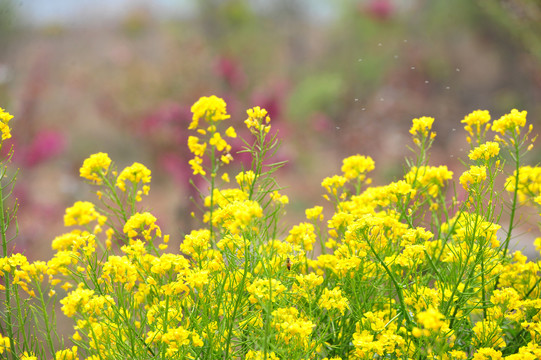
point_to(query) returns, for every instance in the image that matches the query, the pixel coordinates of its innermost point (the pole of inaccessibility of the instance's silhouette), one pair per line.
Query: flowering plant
(400, 271)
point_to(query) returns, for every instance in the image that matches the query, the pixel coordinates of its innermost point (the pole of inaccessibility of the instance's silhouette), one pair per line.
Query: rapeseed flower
(236, 216)
(279, 198)
(82, 213)
(431, 178)
(333, 184)
(475, 123)
(314, 213)
(246, 179)
(197, 242)
(260, 355)
(196, 164)
(219, 143)
(488, 334)
(264, 290)
(333, 299)
(29, 356)
(197, 148)
(528, 184)
(485, 151)
(510, 122)
(67, 354)
(5, 343)
(475, 175)
(356, 167)
(258, 120)
(487, 353)
(421, 126)
(141, 224)
(212, 109)
(120, 269)
(5, 117)
(95, 167)
(302, 234)
(292, 327)
(136, 173)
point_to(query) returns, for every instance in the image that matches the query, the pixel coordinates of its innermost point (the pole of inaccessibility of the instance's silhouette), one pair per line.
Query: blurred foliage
(315, 94)
(7, 18)
(521, 18)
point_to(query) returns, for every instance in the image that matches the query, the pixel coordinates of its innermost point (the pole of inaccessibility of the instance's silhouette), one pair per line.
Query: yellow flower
(230, 132)
(475, 175)
(431, 177)
(225, 177)
(333, 299)
(196, 243)
(260, 355)
(487, 354)
(5, 344)
(196, 163)
(512, 121)
(136, 173)
(292, 328)
(314, 213)
(29, 356)
(263, 290)
(333, 184)
(195, 147)
(212, 109)
(488, 333)
(245, 179)
(279, 198)
(475, 121)
(257, 118)
(217, 141)
(67, 354)
(307, 284)
(95, 167)
(421, 126)
(302, 234)
(355, 167)
(4, 120)
(529, 183)
(82, 213)
(236, 216)
(485, 151)
(141, 224)
(431, 319)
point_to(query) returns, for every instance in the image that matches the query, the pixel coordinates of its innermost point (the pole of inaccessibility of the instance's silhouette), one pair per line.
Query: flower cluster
(396, 271)
(212, 110)
(5, 117)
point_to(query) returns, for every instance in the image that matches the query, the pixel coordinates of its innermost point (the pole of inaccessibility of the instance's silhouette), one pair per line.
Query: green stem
(43, 308)
(515, 199)
(7, 280)
(409, 321)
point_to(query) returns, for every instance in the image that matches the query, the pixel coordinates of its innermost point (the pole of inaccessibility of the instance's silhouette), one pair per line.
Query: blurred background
(338, 77)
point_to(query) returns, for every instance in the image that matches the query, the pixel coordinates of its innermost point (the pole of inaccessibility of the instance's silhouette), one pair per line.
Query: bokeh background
(339, 77)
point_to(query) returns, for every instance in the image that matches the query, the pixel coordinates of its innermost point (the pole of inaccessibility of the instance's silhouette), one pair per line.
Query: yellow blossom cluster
(397, 271)
(477, 123)
(136, 173)
(421, 126)
(82, 213)
(5, 117)
(258, 120)
(474, 176)
(510, 122)
(292, 327)
(431, 178)
(485, 151)
(212, 110)
(95, 167)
